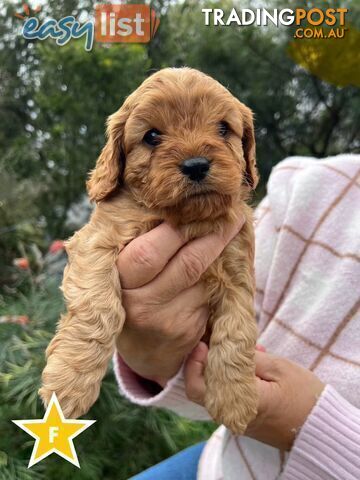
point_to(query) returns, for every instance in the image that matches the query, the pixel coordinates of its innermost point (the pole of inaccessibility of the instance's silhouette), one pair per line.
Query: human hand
(165, 303)
(287, 394)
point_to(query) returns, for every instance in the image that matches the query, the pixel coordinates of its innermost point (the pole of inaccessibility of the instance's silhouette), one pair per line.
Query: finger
(263, 391)
(140, 261)
(186, 268)
(265, 399)
(194, 374)
(266, 366)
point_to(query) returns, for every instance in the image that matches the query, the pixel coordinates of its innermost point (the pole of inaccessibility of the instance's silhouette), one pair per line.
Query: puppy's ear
(249, 147)
(105, 178)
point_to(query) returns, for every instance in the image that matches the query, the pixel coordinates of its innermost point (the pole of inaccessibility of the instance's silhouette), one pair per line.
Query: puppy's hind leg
(79, 353)
(231, 394)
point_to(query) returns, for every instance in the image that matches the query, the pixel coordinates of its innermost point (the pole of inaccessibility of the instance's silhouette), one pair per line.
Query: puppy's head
(182, 145)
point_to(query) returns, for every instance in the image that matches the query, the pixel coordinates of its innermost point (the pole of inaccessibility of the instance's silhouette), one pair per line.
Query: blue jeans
(182, 466)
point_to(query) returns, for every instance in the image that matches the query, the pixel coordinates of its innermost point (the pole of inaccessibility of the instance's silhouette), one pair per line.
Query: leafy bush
(20, 223)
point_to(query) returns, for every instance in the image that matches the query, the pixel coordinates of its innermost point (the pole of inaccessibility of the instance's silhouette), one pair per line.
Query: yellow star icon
(54, 434)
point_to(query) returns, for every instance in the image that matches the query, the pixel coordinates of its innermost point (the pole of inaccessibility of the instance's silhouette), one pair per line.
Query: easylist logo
(120, 23)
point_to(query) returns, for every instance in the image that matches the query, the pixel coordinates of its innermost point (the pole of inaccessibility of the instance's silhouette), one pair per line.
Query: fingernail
(260, 348)
(199, 353)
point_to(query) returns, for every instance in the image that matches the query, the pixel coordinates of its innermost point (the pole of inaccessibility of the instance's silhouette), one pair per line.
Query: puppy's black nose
(195, 168)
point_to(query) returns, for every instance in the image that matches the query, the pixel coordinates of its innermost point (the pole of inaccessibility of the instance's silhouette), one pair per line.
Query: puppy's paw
(76, 392)
(232, 404)
(45, 395)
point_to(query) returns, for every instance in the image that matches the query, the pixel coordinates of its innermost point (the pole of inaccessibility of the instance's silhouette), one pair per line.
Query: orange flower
(56, 246)
(22, 263)
(19, 319)
(23, 319)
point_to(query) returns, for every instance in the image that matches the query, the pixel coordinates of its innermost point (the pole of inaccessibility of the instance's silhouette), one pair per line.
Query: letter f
(53, 432)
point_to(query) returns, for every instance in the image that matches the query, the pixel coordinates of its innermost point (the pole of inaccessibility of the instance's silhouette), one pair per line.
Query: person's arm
(166, 314)
(328, 444)
(172, 396)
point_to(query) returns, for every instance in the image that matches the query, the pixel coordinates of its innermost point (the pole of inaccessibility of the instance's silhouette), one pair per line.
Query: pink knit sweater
(307, 303)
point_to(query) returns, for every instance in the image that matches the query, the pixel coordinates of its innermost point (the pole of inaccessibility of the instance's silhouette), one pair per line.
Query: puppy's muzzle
(195, 169)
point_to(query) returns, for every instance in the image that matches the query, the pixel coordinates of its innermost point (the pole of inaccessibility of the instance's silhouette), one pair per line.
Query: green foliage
(19, 221)
(77, 92)
(125, 439)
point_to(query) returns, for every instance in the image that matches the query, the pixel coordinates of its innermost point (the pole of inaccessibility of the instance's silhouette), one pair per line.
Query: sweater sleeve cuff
(328, 445)
(142, 392)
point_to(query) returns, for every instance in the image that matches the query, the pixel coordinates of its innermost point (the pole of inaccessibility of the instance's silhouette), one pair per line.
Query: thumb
(194, 373)
(266, 366)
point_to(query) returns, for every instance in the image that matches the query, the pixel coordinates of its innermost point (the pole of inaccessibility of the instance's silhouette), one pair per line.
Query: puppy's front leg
(231, 394)
(79, 353)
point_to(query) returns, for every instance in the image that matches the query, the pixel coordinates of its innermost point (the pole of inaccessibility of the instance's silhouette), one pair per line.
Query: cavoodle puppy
(181, 149)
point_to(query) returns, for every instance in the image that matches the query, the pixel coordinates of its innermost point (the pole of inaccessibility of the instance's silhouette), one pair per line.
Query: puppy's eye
(224, 129)
(152, 137)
